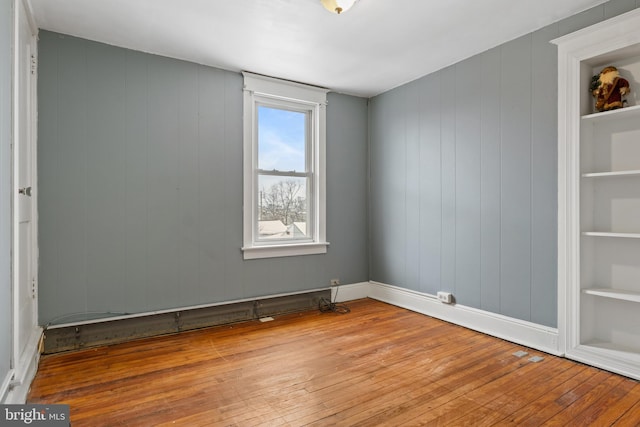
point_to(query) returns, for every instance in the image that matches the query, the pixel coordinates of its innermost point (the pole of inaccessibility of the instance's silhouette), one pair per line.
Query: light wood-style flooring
(379, 365)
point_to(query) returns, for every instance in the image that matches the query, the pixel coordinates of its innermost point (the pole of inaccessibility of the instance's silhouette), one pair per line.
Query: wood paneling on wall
(464, 177)
(140, 171)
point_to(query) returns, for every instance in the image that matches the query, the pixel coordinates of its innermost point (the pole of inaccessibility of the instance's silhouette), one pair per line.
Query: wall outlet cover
(445, 297)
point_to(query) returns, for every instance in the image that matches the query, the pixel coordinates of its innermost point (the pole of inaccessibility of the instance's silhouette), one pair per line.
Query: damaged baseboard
(111, 331)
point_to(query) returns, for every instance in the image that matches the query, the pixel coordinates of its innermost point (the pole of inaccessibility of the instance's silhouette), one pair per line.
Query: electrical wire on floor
(326, 306)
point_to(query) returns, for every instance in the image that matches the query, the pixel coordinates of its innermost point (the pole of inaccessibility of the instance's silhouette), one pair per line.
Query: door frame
(25, 352)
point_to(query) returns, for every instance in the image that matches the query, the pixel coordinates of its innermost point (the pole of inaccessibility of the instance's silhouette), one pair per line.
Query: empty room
(319, 212)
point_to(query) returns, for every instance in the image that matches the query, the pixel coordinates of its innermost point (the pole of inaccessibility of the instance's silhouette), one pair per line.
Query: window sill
(274, 251)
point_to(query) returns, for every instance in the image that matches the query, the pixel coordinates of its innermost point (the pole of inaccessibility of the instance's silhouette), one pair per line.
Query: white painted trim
(25, 370)
(601, 38)
(350, 292)
(4, 387)
(528, 334)
(15, 244)
(610, 360)
(29, 15)
(258, 88)
(25, 349)
(274, 251)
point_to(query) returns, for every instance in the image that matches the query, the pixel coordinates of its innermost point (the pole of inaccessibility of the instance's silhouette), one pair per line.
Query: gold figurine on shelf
(608, 88)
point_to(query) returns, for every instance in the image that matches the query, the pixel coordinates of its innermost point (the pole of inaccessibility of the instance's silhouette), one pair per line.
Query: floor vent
(105, 332)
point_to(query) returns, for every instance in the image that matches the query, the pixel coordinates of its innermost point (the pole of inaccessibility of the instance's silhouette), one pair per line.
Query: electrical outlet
(445, 297)
(335, 282)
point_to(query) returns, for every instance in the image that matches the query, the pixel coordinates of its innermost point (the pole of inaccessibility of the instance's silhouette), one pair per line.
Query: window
(284, 165)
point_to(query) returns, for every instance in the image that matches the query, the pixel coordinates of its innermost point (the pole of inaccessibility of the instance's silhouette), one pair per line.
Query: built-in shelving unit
(599, 200)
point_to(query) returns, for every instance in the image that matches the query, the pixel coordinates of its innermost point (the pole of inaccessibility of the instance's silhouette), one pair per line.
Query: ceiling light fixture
(337, 6)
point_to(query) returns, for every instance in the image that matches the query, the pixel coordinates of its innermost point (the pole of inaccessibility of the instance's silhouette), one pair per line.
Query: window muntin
(284, 155)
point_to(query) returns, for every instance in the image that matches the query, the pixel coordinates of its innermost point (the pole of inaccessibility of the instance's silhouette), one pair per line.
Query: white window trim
(257, 87)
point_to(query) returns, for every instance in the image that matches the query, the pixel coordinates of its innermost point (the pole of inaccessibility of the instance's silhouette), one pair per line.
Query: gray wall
(141, 177)
(6, 324)
(140, 198)
(464, 177)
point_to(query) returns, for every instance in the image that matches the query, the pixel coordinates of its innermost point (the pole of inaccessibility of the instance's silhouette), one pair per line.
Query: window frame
(275, 93)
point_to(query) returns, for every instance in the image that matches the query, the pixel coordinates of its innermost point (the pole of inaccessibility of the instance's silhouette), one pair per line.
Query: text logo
(34, 415)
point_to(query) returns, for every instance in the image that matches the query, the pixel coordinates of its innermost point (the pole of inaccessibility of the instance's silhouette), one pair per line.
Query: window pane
(281, 139)
(282, 208)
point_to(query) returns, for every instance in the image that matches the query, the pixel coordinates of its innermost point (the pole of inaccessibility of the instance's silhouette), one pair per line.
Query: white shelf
(614, 293)
(615, 351)
(610, 174)
(620, 113)
(604, 234)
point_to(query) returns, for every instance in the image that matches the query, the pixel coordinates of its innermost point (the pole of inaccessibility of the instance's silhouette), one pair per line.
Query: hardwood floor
(378, 365)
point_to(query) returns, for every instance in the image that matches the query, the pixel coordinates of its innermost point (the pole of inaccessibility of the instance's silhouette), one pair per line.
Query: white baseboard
(528, 334)
(350, 292)
(24, 371)
(4, 386)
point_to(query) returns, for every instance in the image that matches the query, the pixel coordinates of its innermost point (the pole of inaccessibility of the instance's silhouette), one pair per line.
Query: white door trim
(26, 338)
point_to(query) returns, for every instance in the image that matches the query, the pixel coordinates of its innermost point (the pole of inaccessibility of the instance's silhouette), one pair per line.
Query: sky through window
(281, 144)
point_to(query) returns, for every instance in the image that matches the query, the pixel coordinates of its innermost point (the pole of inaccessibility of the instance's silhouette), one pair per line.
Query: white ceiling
(374, 47)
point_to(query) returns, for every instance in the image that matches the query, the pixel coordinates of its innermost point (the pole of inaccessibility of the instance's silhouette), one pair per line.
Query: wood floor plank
(544, 407)
(431, 371)
(378, 365)
(608, 394)
(589, 393)
(461, 380)
(503, 398)
(629, 418)
(619, 403)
